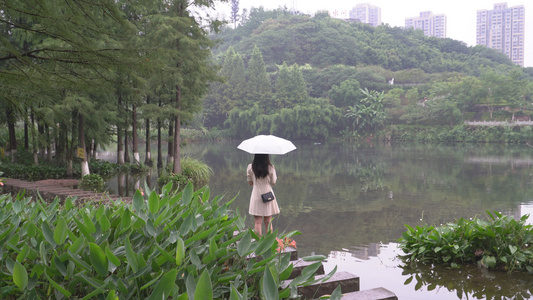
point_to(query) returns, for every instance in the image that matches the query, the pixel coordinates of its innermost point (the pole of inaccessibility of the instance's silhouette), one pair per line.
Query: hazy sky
(461, 14)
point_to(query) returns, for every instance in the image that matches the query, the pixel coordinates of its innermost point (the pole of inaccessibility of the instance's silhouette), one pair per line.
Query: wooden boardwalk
(61, 188)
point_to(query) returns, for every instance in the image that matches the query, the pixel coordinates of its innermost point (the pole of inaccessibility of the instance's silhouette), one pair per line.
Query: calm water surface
(351, 203)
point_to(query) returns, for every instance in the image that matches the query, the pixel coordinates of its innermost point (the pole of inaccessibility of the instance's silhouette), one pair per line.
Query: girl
(261, 174)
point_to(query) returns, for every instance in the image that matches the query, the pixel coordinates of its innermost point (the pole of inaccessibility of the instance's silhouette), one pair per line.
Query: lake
(351, 203)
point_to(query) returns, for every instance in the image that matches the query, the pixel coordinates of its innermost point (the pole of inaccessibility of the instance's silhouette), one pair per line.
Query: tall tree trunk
(61, 144)
(120, 145)
(48, 142)
(71, 149)
(34, 140)
(134, 135)
(148, 159)
(26, 134)
(84, 162)
(12, 149)
(41, 148)
(176, 141)
(170, 156)
(126, 147)
(95, 147)
(159, 146)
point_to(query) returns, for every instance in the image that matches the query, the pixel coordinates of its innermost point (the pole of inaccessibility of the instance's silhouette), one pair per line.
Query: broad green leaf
(266, 243)
(98, 259)
(126, 219)
(165, 256)
(80, 263)
(234, 294)
(60, 265)
(111, 257)
(138, 201)
(111, 295)
(153, 203)
(212, 247)
(190, 285)
(186, 196)
(84, 230)
(42, 253)
(88, 222)
(130, 256)
(151, 282)
(270, 288)
(104, 223)
(48, 234)
(60, 232)
(167, 188)
(77, 245)
(337, 293)
(162, 216)
(93, 294)
(23, 253)
(513, 249)
(203, 290)
(20, 276)
(314, 258)
(201, 235)
(166, 285)
(57, 286)
(180, 251)
(244, 244)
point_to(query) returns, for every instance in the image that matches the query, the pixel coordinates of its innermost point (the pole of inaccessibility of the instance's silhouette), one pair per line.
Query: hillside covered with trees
(312, 77)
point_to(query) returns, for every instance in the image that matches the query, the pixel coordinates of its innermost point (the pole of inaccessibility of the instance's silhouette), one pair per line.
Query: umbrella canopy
(266, 144)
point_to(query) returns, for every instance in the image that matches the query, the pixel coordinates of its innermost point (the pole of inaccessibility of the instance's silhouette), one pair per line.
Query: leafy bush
(192, 170)
(161, 246)
(501, 242)
(92, 182)
(32, 172)
(103, 168)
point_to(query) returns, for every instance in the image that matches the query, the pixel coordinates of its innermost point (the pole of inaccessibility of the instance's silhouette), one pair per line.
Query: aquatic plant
(500, 242)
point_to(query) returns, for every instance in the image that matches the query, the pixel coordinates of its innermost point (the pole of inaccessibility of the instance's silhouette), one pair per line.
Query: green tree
(290, 87)
(368, 114)
(345, 94)
(258, 85)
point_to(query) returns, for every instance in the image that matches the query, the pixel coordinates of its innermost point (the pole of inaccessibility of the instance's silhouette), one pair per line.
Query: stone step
(49, 190)
(371, 294)
(299, 265)
(347, 281)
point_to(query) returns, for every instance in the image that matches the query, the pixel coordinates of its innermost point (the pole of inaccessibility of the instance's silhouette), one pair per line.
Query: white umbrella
(266, 144)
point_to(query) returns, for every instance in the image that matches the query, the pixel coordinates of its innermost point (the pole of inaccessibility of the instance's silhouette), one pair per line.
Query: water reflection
(351, 204)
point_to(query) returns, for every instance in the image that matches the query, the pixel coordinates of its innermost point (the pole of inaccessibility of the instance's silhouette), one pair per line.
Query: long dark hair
(260, 165)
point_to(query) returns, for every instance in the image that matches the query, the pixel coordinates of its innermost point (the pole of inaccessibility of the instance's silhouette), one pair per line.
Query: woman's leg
(258, 220)
(268, 225)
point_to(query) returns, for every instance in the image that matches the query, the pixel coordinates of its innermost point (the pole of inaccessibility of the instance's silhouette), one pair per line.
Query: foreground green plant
(170, 245)
(501, 243)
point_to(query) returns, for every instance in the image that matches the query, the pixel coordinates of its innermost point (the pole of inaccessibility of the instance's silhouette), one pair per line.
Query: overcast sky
(461, 14)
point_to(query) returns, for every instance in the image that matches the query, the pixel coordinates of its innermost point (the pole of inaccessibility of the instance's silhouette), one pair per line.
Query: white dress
(261, 186)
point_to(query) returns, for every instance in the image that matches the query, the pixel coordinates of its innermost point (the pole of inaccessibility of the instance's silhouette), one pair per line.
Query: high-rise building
(432, 25)
(366, 13)
(503, 29)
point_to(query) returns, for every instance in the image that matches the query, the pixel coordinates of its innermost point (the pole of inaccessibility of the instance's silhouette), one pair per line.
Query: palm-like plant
(368, 113)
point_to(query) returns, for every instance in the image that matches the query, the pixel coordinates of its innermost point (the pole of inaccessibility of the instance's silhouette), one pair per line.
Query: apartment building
(366, 13)
(432, 25)
(502, 28)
